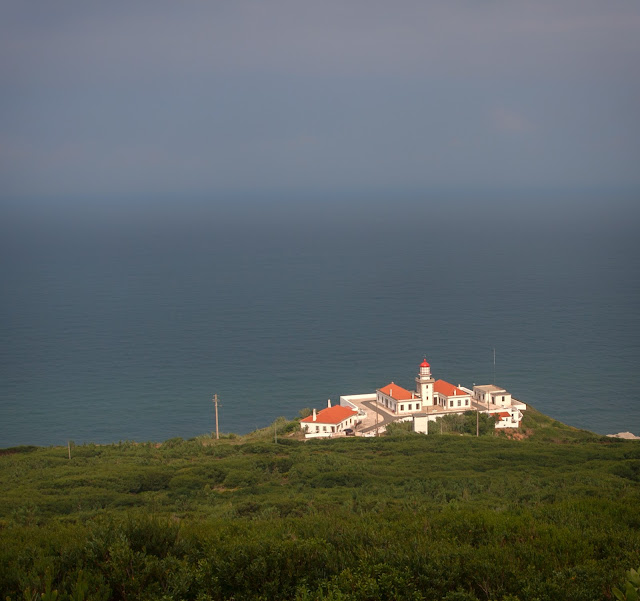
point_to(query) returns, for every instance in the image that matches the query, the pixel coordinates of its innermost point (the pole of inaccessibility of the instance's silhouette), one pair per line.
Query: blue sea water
(123, 328)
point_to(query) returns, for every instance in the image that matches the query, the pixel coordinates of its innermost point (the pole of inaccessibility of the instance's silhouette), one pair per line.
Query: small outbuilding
(329, 421)
(421, 423)
(492, 396)
(509, 418)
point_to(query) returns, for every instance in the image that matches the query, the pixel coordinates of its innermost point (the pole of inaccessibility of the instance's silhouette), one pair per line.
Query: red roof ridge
(331, 415)
(447, 389)
(396, 392)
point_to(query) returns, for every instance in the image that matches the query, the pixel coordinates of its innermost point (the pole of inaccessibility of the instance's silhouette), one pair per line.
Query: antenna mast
(494, 366)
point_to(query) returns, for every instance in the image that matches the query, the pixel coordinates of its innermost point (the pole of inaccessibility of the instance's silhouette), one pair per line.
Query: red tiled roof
(397, 392)
(331, 415)
(504, 415)
(448, 389)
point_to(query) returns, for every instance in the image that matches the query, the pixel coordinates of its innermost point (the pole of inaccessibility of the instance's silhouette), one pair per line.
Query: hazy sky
(125, 100)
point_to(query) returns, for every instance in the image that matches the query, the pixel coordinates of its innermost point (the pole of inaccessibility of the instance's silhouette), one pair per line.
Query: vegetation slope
(552, 515)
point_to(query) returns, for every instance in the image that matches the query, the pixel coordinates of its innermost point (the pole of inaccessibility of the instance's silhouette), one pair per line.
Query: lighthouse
(424, 384)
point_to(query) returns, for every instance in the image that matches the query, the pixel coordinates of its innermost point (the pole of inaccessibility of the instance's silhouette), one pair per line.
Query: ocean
(121, 326)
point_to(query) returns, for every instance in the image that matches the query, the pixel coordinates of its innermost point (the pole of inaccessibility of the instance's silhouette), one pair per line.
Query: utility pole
(215, 402)
(377, 431)
(477, 412)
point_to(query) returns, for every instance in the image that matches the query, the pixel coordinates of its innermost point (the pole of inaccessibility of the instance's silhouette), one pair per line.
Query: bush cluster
(402, 517)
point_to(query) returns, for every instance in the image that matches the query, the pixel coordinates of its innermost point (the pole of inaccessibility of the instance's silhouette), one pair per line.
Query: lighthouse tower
(424, 384)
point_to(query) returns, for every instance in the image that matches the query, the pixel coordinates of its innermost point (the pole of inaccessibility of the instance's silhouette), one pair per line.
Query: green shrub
(240, 478)
(629, 469)
(148, 479)
(631, 587)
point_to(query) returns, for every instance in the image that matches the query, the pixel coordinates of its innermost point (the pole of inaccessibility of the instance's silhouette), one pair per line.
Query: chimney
(314, 415)
(328, 403)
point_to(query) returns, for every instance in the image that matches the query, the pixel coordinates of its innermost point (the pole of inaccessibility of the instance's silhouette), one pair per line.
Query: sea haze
(122, 325)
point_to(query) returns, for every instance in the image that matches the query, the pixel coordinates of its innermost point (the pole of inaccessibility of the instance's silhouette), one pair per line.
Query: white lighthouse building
(432, 399)
(424, 384)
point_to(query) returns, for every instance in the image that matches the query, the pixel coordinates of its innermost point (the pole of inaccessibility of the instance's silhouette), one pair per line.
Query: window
(317, 428)
(466, 402)
(410, 407)
(451, 403)
(417, 406)
(333, 428)
(459, 402)
(401, 407)
(324, 428)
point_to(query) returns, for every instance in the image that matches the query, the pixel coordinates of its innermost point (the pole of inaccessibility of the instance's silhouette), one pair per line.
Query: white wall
(400, 407)
(323, 429)
(465, 401)
(347, 400)
(511, 422)
(420, 423)
(502, 399)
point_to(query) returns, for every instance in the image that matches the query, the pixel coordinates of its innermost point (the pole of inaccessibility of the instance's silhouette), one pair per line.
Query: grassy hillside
(552, 516)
